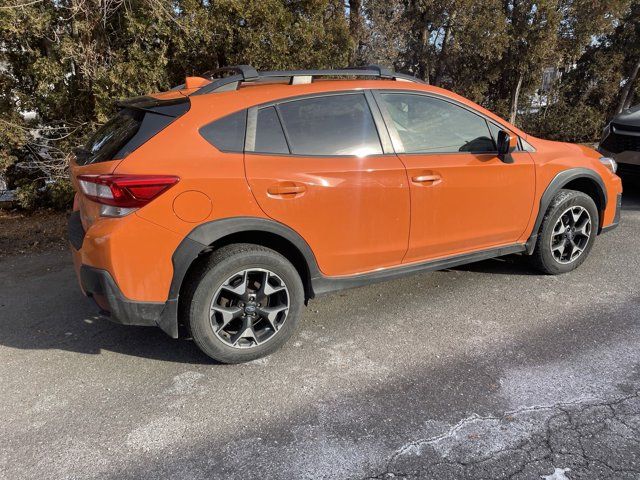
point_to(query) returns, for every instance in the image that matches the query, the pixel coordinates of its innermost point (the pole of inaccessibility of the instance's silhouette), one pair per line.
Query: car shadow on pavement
(46, 310)
(509, 265)
(62, 318)
(93, 335)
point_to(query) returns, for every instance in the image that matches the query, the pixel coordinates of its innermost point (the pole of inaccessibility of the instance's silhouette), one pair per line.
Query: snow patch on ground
(558, 474)
(534, 394)
(158, 434)
(185, 383)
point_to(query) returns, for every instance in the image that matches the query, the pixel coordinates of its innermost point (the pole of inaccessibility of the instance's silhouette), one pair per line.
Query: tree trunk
(443, 52)
(514, 100)
(625, 94)
(627, 104)
(423, 64)
(355, 28)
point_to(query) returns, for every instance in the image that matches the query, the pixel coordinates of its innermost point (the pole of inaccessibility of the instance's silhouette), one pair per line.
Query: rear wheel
(244, 303)
(567, 233)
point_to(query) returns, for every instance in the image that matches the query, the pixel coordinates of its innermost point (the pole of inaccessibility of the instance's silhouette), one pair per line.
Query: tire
(550, 255)
(264, 324)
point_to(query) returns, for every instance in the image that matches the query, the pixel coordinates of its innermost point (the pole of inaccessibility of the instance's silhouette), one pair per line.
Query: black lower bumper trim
(616, 217)
(96, 281)
(75, 230)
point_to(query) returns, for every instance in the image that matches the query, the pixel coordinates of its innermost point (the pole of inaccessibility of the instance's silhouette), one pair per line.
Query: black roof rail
(246, 73)
(384, 72)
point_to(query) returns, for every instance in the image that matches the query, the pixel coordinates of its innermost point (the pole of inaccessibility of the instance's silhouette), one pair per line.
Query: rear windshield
(138, 121)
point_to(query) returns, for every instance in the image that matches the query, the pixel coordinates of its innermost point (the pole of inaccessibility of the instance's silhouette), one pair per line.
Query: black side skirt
(324, 284)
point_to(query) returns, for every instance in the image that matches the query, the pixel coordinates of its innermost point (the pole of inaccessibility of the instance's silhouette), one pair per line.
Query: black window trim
(252, 128)
(381, 128)
(395, 137)
(387, 133)
(287, 138)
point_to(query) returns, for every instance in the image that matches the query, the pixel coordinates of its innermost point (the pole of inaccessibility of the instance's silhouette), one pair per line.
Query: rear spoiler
(169, 108)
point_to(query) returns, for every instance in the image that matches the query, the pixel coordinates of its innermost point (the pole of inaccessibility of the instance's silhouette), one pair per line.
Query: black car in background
(621, 141)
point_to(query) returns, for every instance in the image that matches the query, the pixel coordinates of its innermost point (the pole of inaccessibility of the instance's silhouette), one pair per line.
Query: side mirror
(506, 144)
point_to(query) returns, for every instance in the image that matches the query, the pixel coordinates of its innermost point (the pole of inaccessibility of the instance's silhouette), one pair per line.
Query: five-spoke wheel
(243, 303)
(249, 308)
(571, 234)
(567, 232)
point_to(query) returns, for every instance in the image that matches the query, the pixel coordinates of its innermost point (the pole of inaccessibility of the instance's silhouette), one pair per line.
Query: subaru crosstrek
(217, 209)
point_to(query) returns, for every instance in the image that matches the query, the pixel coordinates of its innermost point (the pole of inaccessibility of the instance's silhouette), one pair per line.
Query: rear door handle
(286, 189)
(426, 178)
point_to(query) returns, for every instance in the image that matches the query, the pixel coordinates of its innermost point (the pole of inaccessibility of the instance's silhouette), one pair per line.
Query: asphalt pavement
(484, 371)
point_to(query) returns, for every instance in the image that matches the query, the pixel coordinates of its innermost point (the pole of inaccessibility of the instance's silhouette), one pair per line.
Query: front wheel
(567, 233)
(244, 304)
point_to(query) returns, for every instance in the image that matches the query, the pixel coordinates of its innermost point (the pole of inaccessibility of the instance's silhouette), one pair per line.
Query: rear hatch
(137, 121)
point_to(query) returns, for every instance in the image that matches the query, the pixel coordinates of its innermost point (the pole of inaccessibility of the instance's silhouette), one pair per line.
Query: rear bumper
(99, 285)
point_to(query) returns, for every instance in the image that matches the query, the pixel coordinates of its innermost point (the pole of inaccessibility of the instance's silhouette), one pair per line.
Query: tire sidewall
(569, 199)
(199, 311)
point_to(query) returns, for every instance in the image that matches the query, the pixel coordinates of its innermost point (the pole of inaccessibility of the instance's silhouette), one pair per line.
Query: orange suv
(217, 209)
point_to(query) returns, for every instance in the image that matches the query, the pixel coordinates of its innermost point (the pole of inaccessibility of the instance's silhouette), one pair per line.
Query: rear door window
(269, 134)
(330, 125)
(430, 125)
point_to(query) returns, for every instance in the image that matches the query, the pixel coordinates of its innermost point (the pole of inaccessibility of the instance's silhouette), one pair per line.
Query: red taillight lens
(125, 191)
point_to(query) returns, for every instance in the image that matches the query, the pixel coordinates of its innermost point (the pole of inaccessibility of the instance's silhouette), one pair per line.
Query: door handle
(286, 189)
(426, 178)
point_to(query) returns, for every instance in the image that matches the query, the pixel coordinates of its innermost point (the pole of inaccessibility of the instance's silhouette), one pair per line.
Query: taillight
(124, 192)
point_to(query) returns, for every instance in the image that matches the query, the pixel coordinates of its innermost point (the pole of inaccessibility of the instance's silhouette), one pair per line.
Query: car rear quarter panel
(213, 181)
(181, 150)
(137, 254)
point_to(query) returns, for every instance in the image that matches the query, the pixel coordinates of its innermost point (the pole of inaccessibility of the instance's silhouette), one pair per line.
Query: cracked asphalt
(484, 371)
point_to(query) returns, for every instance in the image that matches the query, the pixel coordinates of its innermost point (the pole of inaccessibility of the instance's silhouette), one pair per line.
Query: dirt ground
(22, 233)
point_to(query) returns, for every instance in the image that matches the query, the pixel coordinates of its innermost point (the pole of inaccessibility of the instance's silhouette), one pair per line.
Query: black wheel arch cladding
(204, 237)
(562, 180)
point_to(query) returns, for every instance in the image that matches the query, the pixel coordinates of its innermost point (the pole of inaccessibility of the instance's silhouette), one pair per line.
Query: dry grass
(22, 233)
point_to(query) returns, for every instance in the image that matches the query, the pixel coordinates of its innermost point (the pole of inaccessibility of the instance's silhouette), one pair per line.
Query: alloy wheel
(571, 234)
(249, 308)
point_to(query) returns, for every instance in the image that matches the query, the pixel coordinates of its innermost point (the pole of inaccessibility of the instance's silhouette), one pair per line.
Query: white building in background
(546, 93)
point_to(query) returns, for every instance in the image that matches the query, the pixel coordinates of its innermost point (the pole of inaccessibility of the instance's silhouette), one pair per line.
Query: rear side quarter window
(227, 133)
